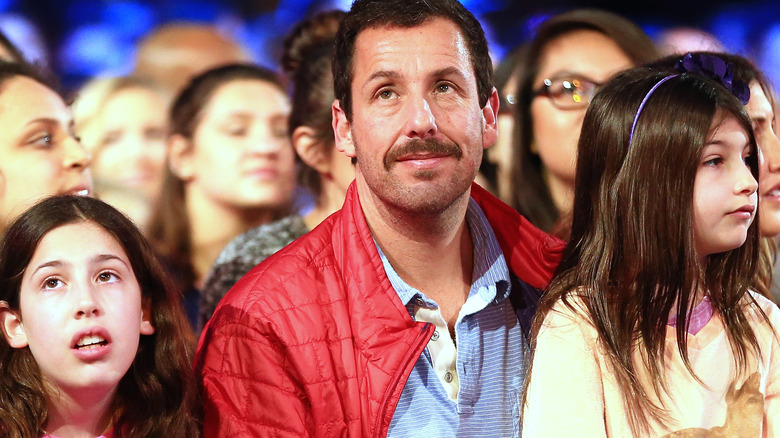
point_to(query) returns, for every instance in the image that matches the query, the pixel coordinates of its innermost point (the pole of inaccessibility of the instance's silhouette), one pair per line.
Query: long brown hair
(745, 71)
(157, 397)
(632, 256)
(169, 227)
(530, 194)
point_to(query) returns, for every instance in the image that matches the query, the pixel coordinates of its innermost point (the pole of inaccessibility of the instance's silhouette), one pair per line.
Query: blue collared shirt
(473, 390)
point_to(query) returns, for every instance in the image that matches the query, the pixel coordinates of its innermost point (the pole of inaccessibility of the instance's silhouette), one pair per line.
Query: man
(405, 312)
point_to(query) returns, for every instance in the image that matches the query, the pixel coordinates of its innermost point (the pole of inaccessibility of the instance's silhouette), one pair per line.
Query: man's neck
(432, 253)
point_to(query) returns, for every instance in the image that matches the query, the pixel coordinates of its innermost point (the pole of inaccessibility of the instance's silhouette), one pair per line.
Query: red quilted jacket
(315, 342)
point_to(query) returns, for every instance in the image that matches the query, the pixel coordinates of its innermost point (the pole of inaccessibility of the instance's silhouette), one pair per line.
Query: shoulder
(291, 277)
(569, 318)
(263, 240)
(766, 306)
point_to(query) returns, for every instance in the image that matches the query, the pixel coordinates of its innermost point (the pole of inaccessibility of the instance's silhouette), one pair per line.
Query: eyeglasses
(568, 92)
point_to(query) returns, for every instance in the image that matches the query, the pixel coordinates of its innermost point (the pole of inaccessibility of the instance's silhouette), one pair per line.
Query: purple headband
(644, 101)
(709, 66)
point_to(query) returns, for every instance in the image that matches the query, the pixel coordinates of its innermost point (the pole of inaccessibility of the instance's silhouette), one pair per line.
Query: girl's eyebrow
(106, 257)
(95, 259)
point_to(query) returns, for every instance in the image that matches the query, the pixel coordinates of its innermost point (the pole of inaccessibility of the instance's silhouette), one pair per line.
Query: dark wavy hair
(631, 257)
(368, 14)
(307, 62)
(158, 396)
(530, 194)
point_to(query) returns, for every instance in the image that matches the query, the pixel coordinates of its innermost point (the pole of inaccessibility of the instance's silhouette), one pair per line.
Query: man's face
(417, 128)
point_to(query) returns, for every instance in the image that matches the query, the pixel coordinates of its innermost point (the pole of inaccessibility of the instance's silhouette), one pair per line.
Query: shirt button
(448, 377)
(419, 301)
(435, 336)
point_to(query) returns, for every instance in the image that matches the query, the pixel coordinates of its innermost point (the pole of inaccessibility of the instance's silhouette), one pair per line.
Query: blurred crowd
(199, 144)
(221, 159)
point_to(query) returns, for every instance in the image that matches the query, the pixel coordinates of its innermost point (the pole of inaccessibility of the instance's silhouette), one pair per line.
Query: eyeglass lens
(570, 92)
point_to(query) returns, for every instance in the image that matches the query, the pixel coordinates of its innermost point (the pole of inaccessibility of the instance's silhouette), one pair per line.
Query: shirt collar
(489, 264)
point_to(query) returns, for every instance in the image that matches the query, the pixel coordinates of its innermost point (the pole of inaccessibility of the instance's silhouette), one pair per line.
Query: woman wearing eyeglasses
(570, 56)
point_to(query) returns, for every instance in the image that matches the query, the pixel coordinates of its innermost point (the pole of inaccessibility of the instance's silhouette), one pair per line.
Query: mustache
(414, 146)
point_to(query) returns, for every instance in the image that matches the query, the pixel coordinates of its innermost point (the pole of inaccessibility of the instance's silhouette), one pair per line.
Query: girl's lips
(744, 212)
(91, 343)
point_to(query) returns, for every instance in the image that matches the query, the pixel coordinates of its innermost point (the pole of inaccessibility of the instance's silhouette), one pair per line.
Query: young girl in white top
(649, 329)
(94, 340)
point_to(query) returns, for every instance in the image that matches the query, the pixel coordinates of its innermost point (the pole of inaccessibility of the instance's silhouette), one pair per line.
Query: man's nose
(421, 122)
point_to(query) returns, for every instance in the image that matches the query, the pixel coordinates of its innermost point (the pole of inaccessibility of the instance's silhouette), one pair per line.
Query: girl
(121, 122)
(569, 56)
(649, 328)
(231, 167)
(760, 108)
(40, 155)
(323, 170)
(94, 340)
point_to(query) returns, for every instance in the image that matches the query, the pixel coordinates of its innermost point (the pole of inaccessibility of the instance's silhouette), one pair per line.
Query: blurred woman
(121, 121)
(40, 154)
(323, 170)
(571, 55)
(231, 168)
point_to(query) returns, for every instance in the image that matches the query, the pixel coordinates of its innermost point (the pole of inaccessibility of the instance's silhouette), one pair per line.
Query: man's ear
(490, 114)
(310, 149)
(342, 130)
(180, 157)
(147, 328)
(12, 327)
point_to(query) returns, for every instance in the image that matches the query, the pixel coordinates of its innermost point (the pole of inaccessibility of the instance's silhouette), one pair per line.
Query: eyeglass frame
(544, 90)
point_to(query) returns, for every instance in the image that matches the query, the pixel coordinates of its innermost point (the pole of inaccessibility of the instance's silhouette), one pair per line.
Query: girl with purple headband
(649, 328)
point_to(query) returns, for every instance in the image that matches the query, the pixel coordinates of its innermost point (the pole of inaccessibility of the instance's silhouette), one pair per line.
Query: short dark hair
(366, 14)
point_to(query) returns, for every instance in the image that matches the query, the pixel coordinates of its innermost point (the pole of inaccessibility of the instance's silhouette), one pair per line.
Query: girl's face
(584, 55)
(724, 192)
(762, 114)
(40, 156)
(129, 150)
(81, 310)
(241, 155)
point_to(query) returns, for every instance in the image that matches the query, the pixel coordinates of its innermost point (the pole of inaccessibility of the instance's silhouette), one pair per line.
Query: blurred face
(581, 54)
(130, 147)
(762, 115)
(80, 310)
(40, 156)
(724, 192)
(242, 156)
(417, 127)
